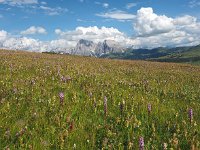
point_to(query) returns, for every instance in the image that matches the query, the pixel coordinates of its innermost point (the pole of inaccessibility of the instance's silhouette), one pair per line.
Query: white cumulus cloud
(153, 30)
(93, 33)
(34, 30)
(149, 23)
(3, 36)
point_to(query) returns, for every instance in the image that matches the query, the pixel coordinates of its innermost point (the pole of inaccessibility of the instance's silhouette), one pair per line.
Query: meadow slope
(72, 102)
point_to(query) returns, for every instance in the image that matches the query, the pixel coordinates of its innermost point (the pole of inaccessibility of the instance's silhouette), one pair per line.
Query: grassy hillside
(178, 54)
(71, 102)
(182, 55)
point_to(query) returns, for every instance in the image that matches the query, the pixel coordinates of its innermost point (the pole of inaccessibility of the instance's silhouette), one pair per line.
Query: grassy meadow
(71, 102)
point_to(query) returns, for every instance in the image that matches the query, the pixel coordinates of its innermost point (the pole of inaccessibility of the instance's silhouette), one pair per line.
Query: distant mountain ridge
(89, 48)
(113, 50)
(187, 54)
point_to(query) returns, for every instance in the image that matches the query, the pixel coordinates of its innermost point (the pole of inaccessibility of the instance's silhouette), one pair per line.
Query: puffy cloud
(93, 33)
(34, 30)
(172, 38)
(184, 20)
(154, 30)
(188, 24)
(3, 35)
(61, 44)
(149, 23)
(10, 42)
(118, 15)
(21, 43)
(58, 31)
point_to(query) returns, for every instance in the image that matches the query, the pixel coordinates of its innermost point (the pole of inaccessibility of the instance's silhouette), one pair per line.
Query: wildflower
(32, 82)
(71, 126)
(141, 143)
(74, 146)
(105, 105)
(165, 146)
(21, 132)
(149, 108)
(63, 79)
(15, 90)
(190, 114)
(61, 95)
(7, 133)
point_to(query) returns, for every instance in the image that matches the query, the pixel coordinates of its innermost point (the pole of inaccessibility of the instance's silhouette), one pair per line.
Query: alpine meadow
(99, 75)
(72, 102)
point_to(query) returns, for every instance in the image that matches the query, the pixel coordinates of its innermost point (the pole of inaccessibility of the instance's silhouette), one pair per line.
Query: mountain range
(113, 50)
(89, 48)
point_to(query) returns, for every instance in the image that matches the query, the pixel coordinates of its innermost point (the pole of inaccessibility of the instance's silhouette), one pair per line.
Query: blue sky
(39, 19)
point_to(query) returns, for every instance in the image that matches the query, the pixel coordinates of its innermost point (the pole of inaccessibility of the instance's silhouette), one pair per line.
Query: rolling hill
(179, 54)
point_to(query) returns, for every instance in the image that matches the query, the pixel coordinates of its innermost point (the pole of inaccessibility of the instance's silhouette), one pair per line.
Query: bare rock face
(108, 46)
(84, 47)
(89, 48)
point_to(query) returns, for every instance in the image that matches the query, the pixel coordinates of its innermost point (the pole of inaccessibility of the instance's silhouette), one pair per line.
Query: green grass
(32, 116)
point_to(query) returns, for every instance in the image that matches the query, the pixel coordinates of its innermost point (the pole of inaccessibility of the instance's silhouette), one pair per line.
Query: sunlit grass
(58, 102)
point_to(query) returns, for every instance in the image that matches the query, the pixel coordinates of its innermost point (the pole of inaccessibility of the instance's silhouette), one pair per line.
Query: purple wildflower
(105, 105)
(61, 95)
(63, 79)
(190, 114)
(149, 108)
(141, 143)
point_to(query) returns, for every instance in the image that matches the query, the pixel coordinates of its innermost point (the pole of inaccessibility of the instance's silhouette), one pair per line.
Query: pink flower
(61, 95)
(141, 143)
(190, 114)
